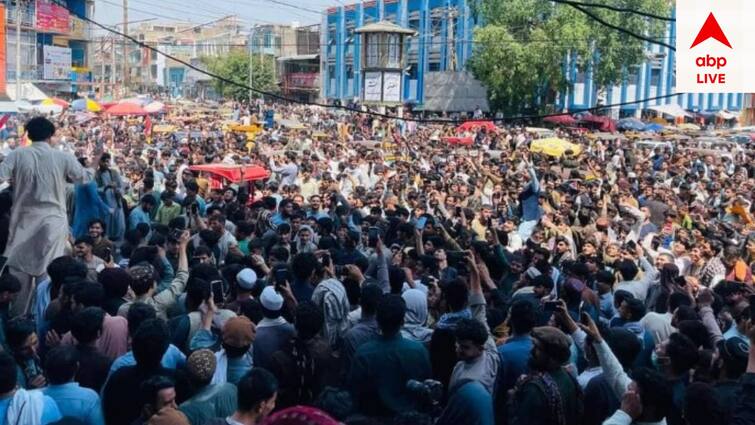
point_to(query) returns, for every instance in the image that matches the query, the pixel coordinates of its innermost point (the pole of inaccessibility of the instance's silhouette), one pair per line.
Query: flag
(148, 128)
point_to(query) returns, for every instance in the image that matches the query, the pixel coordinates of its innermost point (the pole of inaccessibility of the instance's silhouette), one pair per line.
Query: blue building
(444, 43)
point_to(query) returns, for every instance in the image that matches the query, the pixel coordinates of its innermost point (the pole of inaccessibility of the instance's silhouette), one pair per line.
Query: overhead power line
(354, 110)
(616, 9)
(618, 28)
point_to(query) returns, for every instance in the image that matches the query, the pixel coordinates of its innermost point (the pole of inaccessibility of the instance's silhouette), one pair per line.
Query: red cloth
(462, 141)
(300, 415)
(234, 173)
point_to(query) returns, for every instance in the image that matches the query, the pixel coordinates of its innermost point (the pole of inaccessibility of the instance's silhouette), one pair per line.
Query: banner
(77, 28)
(57, 63)
(52, 17)
(3, 59)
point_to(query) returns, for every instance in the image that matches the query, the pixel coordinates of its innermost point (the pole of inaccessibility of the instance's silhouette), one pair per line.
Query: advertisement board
(373, 86)
(52, 17)
(57, 63)
(77, 28)
(392, 87)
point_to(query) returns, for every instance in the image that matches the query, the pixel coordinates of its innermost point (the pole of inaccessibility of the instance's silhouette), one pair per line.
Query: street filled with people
(271, 263)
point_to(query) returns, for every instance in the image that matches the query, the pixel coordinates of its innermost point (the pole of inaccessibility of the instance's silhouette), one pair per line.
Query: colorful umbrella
(123, 109)
(55, 101)
(632, 124)
(86, 105)
(471, 125)
(554, 147)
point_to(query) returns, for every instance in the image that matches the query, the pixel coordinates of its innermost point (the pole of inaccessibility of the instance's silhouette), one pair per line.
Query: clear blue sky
(249, 11)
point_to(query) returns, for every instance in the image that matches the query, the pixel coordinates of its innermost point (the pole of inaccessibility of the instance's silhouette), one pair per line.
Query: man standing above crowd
(39, 223)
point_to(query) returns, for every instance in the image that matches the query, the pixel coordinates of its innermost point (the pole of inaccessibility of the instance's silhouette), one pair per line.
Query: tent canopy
(560, 119)
(673, 109)
(122, 109)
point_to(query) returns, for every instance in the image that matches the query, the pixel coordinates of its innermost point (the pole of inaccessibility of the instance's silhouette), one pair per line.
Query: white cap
(271, 299)
(246, 279)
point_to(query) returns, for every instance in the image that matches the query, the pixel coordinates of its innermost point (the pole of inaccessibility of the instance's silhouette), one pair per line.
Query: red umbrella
(234, 173)
(471, 125)
(122, 109)
(461, 141)
(560, 120)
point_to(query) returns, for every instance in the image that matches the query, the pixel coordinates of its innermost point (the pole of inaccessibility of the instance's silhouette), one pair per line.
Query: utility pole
(102, 67)
(126, 69)
(18, 50)
(251, 73)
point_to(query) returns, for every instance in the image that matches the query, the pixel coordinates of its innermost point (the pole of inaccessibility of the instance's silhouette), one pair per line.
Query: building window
(394, 52)
(153, 71)
(655, 77)
(412, 73)
(633, 76)
(434, 66)
(414, 24)
(373, 50)
(579, 78)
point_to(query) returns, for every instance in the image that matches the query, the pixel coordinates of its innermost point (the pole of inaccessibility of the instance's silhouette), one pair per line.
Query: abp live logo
(715, 42)
(711, 29)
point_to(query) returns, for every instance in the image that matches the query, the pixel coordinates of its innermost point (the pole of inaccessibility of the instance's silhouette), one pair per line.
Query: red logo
(711, 29)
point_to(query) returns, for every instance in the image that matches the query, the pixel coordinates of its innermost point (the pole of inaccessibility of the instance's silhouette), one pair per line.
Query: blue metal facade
(431, 51)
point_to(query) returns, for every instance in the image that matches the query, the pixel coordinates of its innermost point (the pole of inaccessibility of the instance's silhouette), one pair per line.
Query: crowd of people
(378, 276)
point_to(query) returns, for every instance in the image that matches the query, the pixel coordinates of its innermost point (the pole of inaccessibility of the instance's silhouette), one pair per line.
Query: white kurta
(39, 224)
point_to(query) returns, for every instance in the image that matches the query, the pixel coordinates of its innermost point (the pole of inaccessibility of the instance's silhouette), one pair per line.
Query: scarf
(416, 316)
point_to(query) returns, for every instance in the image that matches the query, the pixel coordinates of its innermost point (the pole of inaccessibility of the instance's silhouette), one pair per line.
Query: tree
(234, 66)
(521, 52)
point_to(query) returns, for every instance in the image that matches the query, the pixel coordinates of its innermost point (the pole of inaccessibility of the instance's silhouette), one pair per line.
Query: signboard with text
(715, 46)
(57, 63)
(52, 17)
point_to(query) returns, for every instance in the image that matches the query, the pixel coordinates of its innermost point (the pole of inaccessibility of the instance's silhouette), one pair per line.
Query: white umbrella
(154, 107)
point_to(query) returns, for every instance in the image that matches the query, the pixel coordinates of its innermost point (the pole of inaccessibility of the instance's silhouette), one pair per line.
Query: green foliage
(235, 67)
(522, 48)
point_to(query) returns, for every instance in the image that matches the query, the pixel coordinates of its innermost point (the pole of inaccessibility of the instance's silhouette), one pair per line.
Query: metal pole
(102, 67)
(18, 50)
(112, 67)
(251, 73)
(126, 69)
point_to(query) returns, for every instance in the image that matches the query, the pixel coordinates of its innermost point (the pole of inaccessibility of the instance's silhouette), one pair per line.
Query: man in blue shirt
(73, 401)
(141, 214)
(515, 353)
(18, 405)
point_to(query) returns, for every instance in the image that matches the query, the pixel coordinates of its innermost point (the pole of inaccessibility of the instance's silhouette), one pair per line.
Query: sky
(251, 12)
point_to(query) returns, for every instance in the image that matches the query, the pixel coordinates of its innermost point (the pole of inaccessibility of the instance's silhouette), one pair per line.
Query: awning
(28, 92)
(8, 107)
(673, 109)
(298, 58)
(726, 115)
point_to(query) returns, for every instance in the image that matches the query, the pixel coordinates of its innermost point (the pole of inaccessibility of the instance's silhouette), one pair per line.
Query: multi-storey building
(444, 42)
(53, 58)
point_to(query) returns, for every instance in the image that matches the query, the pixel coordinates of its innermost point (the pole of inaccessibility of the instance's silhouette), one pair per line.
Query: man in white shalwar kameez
(38, 225)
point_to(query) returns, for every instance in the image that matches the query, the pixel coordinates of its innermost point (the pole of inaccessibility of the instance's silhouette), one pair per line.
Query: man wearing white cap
(246, 279)
(273, 331)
